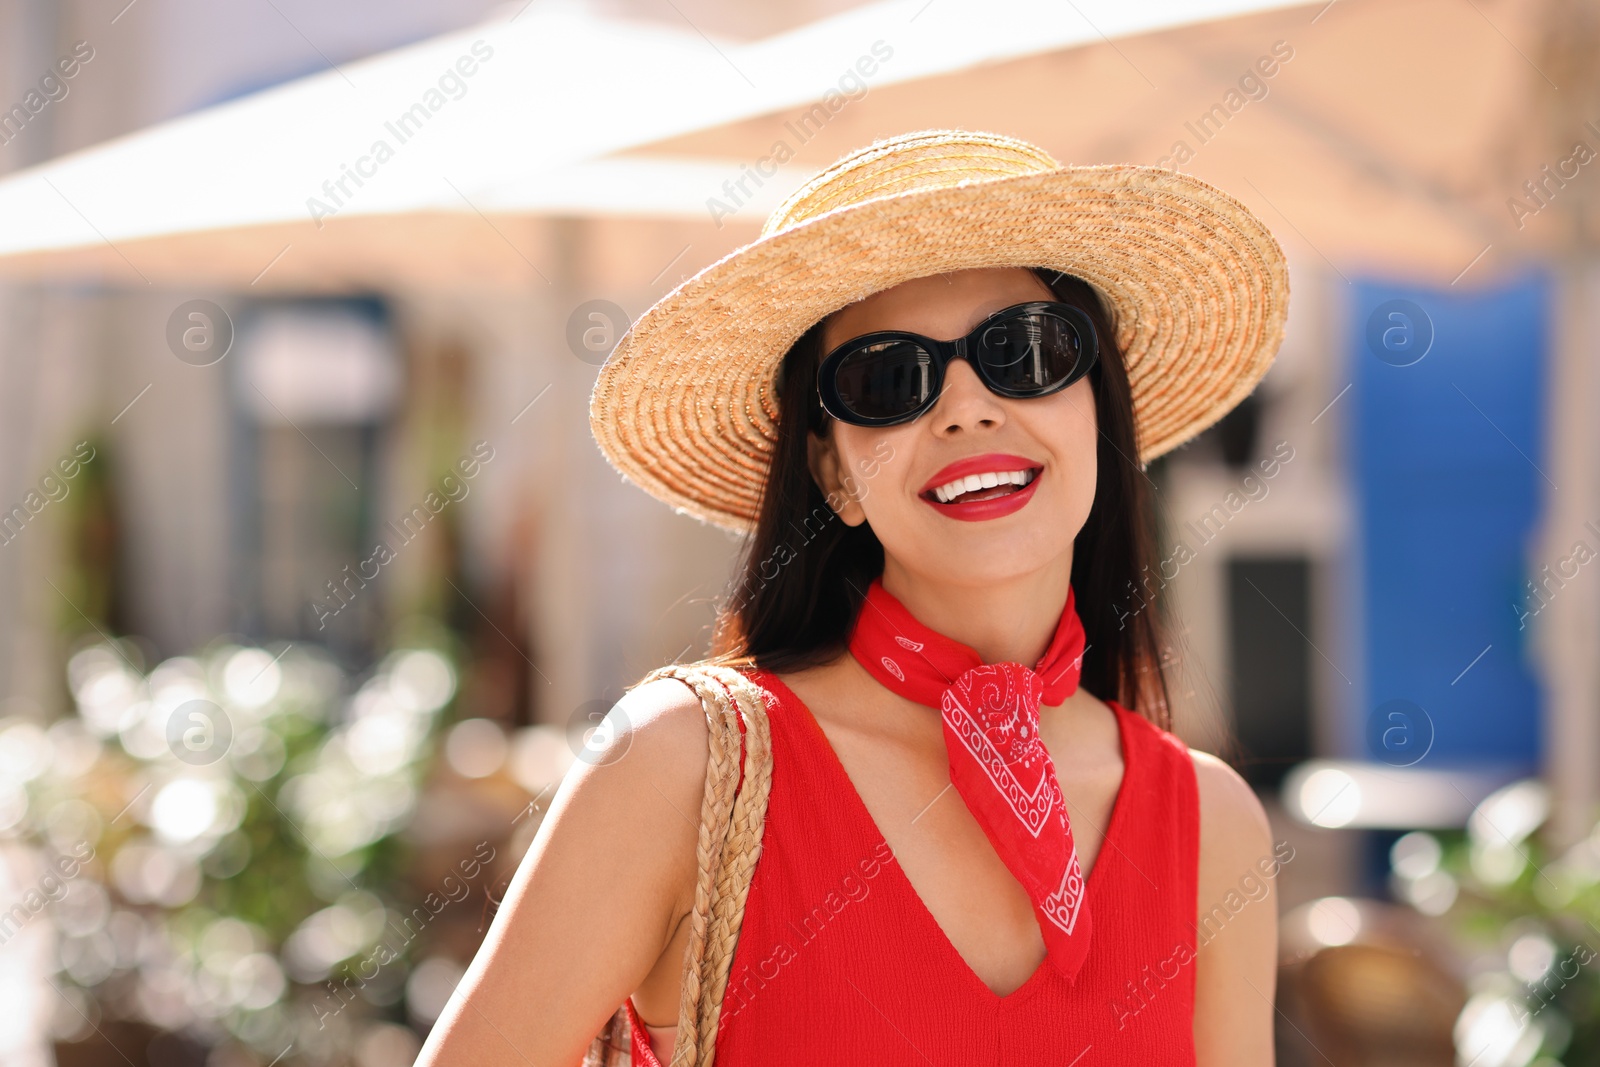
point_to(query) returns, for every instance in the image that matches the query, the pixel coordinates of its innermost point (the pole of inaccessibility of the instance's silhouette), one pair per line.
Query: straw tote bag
(729, 843)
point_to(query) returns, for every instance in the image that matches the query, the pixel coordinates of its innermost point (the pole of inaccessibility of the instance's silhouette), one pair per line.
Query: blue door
(1445, 429)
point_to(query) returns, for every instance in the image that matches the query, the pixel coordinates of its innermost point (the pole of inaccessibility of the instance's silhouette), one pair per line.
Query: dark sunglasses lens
(1032, 352)
(885, 380)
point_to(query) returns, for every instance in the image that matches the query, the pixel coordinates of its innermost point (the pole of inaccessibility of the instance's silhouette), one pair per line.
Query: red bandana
(997, 763)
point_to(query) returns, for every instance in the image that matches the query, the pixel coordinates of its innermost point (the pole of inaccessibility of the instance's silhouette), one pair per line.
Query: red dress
(840, 962)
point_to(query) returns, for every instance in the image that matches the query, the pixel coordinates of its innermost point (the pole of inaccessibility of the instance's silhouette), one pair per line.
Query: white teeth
(973, 482)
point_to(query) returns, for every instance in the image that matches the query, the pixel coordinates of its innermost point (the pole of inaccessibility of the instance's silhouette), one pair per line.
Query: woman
(965, 859)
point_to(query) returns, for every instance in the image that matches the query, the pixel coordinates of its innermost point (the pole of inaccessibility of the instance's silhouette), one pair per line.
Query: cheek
(1071, 434)
(873, 459)
(1070, 429)
(1081, 395)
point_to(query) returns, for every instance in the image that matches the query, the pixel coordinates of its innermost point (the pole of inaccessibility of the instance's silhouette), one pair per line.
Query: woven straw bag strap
(728, 845)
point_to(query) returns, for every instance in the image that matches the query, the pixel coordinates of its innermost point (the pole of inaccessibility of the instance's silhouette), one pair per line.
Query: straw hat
(1196, 287)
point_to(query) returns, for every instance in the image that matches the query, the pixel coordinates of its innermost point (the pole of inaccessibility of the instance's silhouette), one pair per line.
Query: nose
(964, 401)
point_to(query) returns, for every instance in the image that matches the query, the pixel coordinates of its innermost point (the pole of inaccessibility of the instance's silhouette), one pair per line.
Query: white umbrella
(1370, 137)
(468, 136)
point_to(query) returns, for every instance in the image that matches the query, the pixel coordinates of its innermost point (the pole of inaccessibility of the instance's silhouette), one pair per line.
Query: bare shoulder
(1234, 830)
(636, 790)
(619, 841)
(1237, 914)
(640, 779)
(1226, 799)
(665, 715)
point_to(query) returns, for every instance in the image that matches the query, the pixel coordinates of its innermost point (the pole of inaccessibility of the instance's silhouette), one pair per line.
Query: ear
(822, 457)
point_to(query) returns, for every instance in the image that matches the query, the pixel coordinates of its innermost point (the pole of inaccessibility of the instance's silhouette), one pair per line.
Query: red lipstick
(993, 507)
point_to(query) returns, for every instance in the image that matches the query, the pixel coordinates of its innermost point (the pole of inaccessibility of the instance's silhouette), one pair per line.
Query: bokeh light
(475, 748)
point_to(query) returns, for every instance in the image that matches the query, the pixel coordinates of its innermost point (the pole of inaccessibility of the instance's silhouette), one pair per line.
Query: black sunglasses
(892, 376)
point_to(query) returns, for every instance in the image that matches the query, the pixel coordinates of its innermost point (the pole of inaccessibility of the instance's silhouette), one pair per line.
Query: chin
(984, 555)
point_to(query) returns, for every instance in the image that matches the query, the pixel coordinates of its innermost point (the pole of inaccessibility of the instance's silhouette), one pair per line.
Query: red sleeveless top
(839, 961)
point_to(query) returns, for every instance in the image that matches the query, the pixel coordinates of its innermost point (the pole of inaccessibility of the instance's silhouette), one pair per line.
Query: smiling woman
(948, 689)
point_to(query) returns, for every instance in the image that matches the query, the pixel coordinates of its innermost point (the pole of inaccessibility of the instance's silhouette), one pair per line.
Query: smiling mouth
(1004, 485)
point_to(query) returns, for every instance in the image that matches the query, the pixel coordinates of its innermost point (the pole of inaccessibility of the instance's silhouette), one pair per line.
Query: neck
(1012, 620)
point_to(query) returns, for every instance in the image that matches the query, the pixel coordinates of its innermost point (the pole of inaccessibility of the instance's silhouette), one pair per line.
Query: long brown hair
(803, 573)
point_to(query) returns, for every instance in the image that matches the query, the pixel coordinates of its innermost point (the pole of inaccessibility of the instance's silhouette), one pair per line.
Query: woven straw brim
(1198, 289)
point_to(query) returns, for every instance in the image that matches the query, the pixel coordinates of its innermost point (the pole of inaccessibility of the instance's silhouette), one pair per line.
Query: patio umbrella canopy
(1428, 138)
(436, 163)
(1425, 140)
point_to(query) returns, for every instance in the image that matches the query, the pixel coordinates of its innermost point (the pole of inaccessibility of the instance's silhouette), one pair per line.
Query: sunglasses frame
(960, 348)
